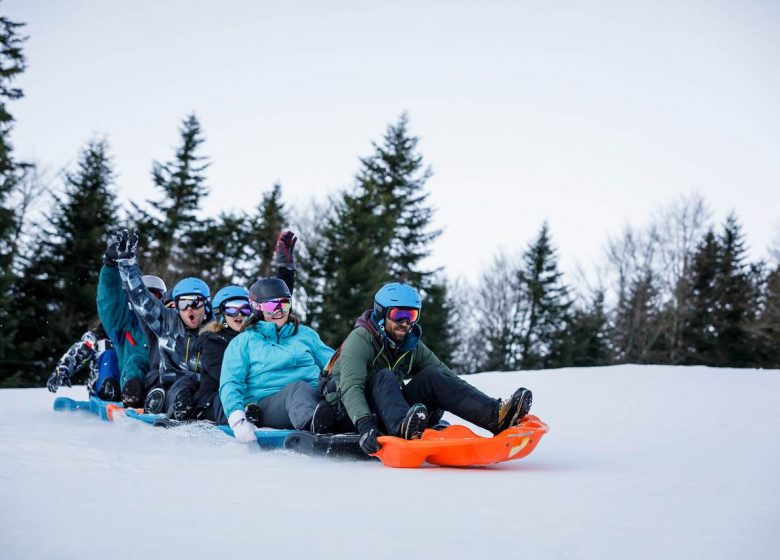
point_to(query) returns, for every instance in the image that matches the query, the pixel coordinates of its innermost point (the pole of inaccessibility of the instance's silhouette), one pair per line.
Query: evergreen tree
(544, 308)
(587, 340)
(380, 232)
(55, 300)
(767, 325)
(700, 332)
(637, 325)
(12, 63)
(171, 235)
(261, 230)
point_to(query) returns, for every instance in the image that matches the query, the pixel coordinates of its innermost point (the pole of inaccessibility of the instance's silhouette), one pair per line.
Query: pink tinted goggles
(272, 305)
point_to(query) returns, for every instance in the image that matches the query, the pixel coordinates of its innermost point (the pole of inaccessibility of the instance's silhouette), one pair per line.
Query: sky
(590, 115)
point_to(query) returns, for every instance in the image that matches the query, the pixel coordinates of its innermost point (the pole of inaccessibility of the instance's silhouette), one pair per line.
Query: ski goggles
(271, 306)
(185, 302)
(398, 314)
(234, 309)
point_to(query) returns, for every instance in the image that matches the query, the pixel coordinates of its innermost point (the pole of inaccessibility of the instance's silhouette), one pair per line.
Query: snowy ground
(640, 462)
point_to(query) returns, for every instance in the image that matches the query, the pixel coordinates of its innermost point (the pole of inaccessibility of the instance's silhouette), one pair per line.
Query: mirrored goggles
(272, 305)
(186, 302)
(398, 314)
(234, 309)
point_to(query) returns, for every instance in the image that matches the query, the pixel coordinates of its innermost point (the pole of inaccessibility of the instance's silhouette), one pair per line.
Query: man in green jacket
(384, 369)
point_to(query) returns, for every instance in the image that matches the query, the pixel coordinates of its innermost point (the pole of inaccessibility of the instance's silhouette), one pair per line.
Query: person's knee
(430, 373)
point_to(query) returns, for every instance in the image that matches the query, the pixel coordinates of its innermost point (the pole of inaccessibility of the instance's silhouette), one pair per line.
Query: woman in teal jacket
(271, 369)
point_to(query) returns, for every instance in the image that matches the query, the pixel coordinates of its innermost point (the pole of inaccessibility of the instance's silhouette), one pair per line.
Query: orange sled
(457, 446)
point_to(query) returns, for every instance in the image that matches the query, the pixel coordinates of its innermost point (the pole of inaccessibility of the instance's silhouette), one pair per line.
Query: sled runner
(101, 408)
(343, 446)
(458, 446)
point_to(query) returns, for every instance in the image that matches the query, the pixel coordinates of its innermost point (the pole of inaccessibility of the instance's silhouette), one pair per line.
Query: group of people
(242, 358)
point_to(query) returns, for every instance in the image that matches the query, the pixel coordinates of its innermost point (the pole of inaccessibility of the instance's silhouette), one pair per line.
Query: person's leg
(107, 384)
(386, 400)
(290, 408)
(437, 389)
(179, 403)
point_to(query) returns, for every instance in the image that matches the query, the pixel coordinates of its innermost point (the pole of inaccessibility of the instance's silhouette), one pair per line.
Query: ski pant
(290, 408)
(196, 388)
(437, 390)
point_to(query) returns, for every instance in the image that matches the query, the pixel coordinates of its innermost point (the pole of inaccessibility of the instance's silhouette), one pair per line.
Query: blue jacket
(260, 361)
(122, 326)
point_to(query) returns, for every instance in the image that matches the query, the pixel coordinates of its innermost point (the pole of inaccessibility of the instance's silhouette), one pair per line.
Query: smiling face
(397, 330)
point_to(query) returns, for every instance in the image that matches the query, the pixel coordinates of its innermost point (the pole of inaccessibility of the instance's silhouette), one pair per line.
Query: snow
(640, 462)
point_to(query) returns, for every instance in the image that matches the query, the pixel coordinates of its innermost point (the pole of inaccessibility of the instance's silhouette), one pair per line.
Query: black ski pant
(291, 408)
(437, 390)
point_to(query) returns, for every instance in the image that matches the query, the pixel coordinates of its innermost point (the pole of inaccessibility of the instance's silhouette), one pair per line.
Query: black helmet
(268, 288)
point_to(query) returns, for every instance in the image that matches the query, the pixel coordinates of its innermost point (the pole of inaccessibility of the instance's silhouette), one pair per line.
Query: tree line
(680, 291)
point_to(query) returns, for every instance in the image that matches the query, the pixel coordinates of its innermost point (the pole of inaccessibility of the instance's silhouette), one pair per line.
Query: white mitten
(242, 428)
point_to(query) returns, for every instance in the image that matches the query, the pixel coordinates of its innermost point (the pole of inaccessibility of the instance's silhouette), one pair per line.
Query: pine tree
(544, 306)
(379, 232)
(767, 325)
(56, 296)
(171, 235)
(700, 331)
(587, 340)
(12, 63)
(261, 230)
(637, 326)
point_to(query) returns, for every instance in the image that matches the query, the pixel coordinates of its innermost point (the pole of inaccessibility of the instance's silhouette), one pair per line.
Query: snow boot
(414, 423)
(110, 390)
(183, 406)
(133, 394)
(513, 410)
(324, 419)
(155, 401)
(253, 413)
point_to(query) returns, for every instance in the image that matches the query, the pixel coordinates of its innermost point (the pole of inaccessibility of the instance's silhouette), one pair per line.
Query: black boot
(414, 423)
(133, 393)
(324, 419)
(110, 390)
(155, 401)
(183, 405)
(512, 411)
(253, 414)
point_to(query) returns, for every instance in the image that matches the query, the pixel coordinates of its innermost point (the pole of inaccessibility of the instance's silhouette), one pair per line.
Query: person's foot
(414, 423)
(133, 394)
(324, 419)
(252, 411)
(512, 411)
(183, 406)
(110, 390)
(155, 401)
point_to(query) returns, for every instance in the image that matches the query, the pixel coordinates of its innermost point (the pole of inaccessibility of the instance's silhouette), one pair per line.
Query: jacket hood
(368, 321)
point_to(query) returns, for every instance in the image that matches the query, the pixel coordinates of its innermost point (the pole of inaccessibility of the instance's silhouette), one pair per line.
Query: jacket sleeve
(321, 351)
(288, 276)
(234, 374)
(148, 308)
(112, 305)
(356, 353)
(79, 354)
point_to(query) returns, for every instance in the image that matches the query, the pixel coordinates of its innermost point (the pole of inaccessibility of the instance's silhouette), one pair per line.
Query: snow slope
(640, 462)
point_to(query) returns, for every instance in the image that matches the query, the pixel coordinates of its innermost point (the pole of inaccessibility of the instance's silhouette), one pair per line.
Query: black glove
(133, 393)
(283, 253)
(61, 376)
(368, 434)
(112, 249)
(127, 248)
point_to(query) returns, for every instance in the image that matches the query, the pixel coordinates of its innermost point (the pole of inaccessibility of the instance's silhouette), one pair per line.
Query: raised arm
(77, 356)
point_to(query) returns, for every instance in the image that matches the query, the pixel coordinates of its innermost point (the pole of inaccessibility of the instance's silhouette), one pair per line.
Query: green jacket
(365, 352)
(122, 326)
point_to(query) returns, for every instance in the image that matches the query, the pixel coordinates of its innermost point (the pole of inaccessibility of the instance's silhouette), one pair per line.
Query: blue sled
(146, 418)
(94, 405)
(267, 439)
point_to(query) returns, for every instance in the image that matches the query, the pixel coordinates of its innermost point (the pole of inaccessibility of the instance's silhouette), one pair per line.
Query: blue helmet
(190, 286)
(395, 294)
(228, 293)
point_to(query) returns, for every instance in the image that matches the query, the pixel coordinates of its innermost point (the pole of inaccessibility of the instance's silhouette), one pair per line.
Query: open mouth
(191, 317)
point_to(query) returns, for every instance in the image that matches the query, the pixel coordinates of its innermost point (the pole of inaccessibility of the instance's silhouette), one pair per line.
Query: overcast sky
(587, 114)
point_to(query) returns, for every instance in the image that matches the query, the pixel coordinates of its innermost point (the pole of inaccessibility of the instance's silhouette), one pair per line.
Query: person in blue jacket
(273, 366)
(135, 346)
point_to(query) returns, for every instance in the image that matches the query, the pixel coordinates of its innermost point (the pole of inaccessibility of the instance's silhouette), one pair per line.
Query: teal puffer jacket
(260, 361)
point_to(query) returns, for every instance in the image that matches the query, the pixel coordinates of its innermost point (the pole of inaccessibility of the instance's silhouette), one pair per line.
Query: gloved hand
(283, 253)
(242, 428)
(368, 434)
(112, 248)
(61, 376)
(127, 248)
